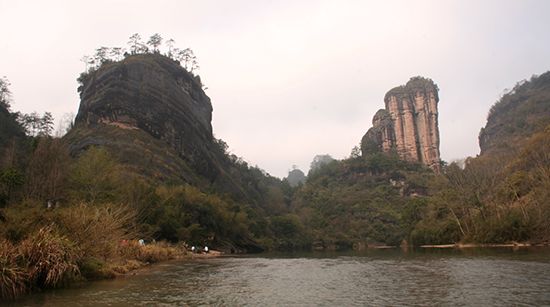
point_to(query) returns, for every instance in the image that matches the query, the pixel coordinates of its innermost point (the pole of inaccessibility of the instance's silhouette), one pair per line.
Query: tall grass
(49, 257)
(84, 240)
(98, 229)
(151, 253)
(13, 278)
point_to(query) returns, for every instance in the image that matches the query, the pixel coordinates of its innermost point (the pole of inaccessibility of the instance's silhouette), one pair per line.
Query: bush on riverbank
(44, 260)
(48, 248)
(13, 277)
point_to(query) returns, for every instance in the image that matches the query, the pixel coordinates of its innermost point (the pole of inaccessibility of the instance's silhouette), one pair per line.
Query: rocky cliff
(155, 117)
(408, 124)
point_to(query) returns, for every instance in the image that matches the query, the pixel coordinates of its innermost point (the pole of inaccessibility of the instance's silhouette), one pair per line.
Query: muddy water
(474, 277)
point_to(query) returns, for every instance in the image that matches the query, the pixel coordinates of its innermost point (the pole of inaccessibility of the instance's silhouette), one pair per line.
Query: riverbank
(132, 267)
(148, 255)
(360, 247)
(47, 262)
(486, 245)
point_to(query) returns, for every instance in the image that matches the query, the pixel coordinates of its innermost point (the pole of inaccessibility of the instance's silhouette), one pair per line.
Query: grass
(13, 278)
(83, 241)
(49, 257)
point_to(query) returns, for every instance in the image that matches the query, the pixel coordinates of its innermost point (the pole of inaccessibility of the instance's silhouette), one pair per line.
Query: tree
(170, 44)
(142, 48)
(10, 179)
(355, 152)
(116, 53)
(29, 122)
(46, 125)
(47, 170)
(185, 56)
(155, 41)
(93, 176)
(5, 93)
(101, 55)
(36, 125)
(135, 43)
(194, 64)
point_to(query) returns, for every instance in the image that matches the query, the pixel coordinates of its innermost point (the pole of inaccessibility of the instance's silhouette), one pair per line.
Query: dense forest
(73, 207)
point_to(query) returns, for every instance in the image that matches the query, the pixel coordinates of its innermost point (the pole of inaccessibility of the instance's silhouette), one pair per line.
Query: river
(470, 277)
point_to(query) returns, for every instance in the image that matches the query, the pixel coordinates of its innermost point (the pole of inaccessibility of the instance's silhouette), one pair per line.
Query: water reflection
(494, 277)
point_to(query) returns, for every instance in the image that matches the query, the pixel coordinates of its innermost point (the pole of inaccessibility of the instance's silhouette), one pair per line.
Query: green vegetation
(69, 214)
(521, 112)
(295, 177)
(499, 197)
(360, 201)
(105, 55)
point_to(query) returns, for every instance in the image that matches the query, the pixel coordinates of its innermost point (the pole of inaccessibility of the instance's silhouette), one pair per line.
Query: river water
(472, 277)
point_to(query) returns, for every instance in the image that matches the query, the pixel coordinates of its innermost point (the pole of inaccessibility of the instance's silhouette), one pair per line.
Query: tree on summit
(135, 43)
(103, 55)
(155, 41)
(170, 44)
(5, 93)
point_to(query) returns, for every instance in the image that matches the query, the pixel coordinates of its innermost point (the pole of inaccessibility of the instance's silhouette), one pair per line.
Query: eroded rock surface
(150, 93)
(408, 125)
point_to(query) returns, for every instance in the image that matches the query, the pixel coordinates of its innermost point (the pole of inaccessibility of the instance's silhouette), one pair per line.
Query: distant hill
(296, 177)
(519, 114)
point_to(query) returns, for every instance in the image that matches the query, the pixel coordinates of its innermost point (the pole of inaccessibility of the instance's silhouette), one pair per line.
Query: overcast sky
(292, 79)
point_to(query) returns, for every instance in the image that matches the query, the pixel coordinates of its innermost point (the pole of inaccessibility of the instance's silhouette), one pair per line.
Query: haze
(292, 79)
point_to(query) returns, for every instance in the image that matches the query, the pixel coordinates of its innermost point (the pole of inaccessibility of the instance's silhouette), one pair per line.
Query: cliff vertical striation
(408, 125)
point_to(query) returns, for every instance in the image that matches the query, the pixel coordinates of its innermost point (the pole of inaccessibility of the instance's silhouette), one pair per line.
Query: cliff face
(124, 104)
(151, 93)
(408, 125)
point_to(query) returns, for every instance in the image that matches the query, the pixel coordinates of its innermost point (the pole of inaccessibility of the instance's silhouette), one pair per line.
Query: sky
(292, 79)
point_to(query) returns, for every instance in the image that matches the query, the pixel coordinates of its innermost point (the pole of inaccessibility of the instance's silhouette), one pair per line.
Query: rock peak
(408, 125)
(151, 93)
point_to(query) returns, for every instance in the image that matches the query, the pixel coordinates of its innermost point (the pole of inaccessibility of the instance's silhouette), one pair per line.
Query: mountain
(154, 118)
(502, 195)
(155, 114)
(519, 114)
(408, 125)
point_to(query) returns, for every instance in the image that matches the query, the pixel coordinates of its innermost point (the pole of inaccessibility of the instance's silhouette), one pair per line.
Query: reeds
(98, 229)
(156, 252)
(49, 257)
(152, 252)
(13, 278)
(43, 260)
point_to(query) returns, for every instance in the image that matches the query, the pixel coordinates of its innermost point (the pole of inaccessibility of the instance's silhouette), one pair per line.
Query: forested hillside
(141, 162)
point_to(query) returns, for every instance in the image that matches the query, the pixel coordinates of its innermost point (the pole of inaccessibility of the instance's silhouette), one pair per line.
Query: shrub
(13, 278)
(98, 229)
(93, 268)
(156, 252)
(49, 257)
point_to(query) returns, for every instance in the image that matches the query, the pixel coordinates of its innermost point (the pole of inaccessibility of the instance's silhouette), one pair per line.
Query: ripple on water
(392, 278)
